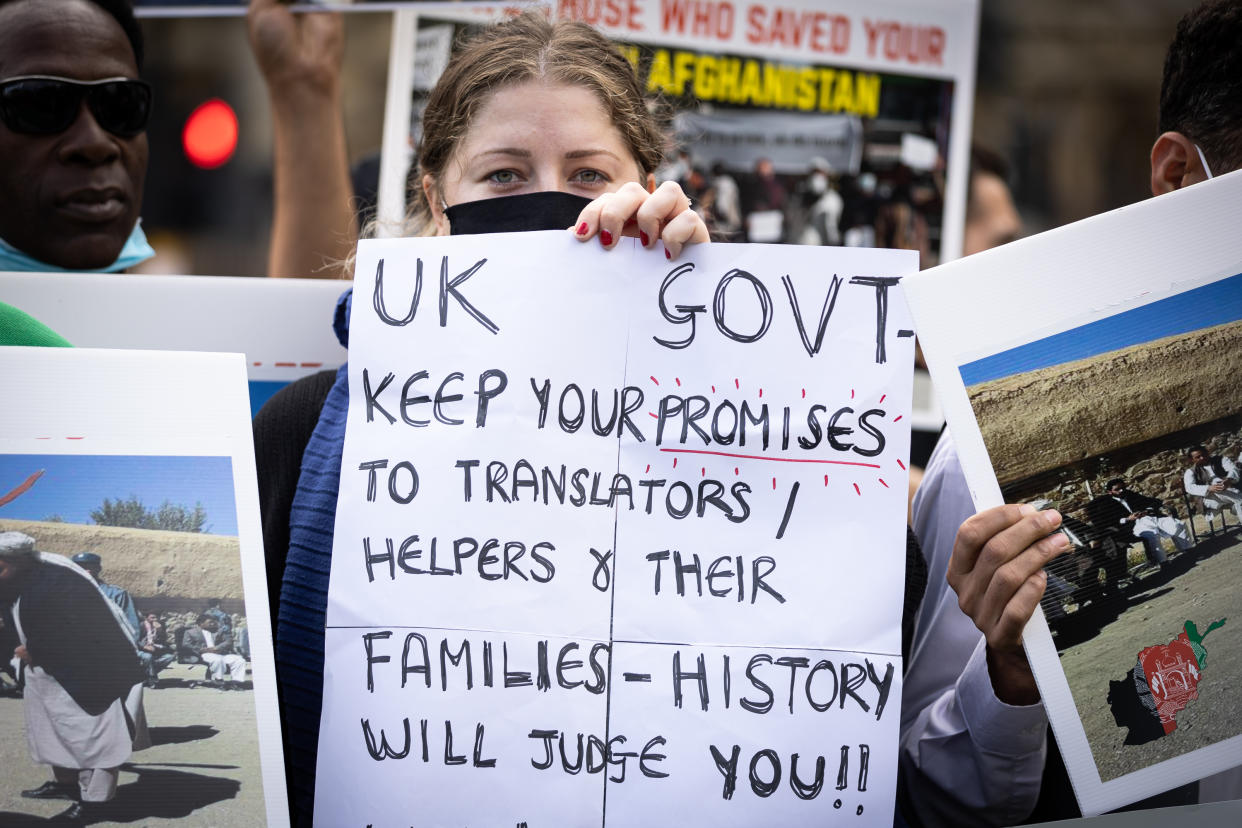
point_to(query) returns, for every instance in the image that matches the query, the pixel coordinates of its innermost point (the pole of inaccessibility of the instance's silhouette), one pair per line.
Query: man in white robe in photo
(82, 699)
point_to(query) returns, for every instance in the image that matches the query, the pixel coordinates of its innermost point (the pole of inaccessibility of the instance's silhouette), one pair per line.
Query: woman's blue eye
(591, 177)
(503, 176)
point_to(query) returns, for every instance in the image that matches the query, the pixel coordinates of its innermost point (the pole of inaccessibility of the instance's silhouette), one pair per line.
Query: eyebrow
(573, 155)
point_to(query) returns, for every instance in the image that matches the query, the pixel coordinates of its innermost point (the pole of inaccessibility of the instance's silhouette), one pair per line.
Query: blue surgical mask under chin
(1203, 160)
(136, 250)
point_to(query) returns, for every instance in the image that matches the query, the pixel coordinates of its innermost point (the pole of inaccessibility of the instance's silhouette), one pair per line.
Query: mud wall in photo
(161, 570)
(1153, 468)
(1044, 420)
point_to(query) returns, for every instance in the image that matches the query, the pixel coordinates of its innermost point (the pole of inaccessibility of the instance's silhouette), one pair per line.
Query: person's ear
(1174, 164)
(432, 194)
(651, 185)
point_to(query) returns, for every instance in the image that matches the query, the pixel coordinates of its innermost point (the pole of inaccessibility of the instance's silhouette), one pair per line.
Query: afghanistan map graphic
(1160, 685)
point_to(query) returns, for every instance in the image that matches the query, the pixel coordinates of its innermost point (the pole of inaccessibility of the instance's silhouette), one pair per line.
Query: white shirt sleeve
(1193, 488)
(967, 758)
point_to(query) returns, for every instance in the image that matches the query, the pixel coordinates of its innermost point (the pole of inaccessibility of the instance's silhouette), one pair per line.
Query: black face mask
(513, 214)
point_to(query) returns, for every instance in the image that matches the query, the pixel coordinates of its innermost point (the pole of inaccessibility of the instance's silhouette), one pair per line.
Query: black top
(282, 428)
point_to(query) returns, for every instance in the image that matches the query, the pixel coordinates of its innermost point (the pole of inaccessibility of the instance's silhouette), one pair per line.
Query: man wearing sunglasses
(73, 119)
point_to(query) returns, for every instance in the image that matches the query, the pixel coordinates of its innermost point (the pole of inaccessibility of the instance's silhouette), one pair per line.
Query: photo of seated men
(1139, 516)
(1213, 479)
(214, 647)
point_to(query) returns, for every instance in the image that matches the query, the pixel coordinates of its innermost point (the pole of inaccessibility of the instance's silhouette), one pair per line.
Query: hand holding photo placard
(618, 538)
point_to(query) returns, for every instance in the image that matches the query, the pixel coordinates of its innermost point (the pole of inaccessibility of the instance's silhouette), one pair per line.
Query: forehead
(69, 38)
(539, 114)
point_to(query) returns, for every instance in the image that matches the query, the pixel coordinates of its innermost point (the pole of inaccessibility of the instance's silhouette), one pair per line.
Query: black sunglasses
(46, 105)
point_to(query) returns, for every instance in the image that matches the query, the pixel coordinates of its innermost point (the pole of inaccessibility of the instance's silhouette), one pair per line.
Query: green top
(20, 328)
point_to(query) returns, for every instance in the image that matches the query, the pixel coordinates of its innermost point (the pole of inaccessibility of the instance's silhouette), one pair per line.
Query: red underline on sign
(773, 459)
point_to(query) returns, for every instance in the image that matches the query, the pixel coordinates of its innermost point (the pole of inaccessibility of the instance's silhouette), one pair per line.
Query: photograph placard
(133, 601)
(1095, 376)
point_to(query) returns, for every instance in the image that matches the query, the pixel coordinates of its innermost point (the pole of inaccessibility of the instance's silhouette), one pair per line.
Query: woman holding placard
(533, 126)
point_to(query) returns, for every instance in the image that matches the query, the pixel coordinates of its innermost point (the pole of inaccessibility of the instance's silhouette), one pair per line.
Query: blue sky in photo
(1204, 307)
(74, 485)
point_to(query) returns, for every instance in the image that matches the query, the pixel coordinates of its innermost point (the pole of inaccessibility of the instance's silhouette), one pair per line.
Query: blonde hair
(528, 47)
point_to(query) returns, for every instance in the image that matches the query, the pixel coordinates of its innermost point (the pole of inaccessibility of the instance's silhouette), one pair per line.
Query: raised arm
(314, 228)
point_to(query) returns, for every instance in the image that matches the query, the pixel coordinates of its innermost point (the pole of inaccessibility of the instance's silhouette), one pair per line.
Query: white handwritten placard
(618, 538)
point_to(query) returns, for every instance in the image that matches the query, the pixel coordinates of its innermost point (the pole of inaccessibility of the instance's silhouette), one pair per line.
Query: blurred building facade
(1068, 92)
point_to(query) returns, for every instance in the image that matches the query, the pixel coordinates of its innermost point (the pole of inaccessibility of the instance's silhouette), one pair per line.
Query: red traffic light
(210, 135)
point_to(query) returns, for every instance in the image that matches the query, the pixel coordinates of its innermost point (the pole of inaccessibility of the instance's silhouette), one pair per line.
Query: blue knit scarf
(304, 590)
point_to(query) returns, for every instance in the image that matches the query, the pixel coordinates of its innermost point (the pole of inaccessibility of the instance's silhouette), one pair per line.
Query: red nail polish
(605, 238)
(582, 228)
(667, 255)
(642, 237)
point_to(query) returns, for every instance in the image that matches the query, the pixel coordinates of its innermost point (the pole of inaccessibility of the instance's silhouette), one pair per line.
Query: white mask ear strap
(1203, 160)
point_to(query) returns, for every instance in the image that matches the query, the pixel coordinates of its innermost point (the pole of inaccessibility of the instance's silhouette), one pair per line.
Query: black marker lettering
(377, 297)
(765, 306)
(368, 643)
(408, 402)
(466, 466)
(763, 788)
(448, 287)
(487, 393)
(685, 313)
(369, 467)
(700, 676)
(800, 788)
(384, 750)
(449, 757)
(370, 396)
(881, 284)
(727, 768)
(825, 314)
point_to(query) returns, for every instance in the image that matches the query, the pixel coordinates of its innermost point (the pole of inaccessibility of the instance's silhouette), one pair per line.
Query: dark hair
(1201, 449)
(1201, 93)
(123, 12)
(203, 618)
(1116, 481)
(986, 162)
(529, 47)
